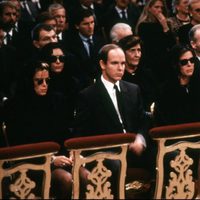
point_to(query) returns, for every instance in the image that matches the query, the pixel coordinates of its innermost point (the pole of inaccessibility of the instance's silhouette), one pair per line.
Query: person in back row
(136, 70)
(157, 38)
(84, 45)
(119, 31)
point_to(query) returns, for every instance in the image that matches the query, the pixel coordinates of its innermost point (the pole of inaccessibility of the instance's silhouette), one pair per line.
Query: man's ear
(193, 44)
(36, 44)
(102, 64)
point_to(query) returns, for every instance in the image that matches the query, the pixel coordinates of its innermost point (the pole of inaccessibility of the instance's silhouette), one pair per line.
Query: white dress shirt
(85, 42)
(5, 38)
(120, 12)
(111, 91)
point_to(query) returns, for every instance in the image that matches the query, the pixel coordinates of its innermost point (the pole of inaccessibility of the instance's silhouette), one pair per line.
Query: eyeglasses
(185, 61)
(40, 81)
(61, 58)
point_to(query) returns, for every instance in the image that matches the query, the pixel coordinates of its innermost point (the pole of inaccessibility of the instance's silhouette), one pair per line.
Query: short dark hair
(129, 41)
(81, 14)
(103, 53)
(35, 33)
(43, 17)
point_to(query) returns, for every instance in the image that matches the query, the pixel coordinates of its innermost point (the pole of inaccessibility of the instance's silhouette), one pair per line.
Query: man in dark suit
(16, 32)
(97, 10)
(8, 18)
(59, 13)
(84, 44)
(123, 11)
(101, 111)
(114, 106)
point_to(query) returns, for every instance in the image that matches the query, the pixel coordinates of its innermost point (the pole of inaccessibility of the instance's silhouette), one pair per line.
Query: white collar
(85, 7)
(84, 38)
(109, 86)
(120, 10)
(10, 32)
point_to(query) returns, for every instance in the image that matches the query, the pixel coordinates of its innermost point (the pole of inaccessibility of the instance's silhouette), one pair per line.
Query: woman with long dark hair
(178, 100)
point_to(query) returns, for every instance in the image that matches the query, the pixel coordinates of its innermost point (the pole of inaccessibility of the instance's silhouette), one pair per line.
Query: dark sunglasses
(185, 61)
(61, 58)
(41, 80)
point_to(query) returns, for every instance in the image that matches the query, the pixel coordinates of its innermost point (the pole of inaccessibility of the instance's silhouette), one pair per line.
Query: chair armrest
(186, 130)
(99, 140)
(28, 150)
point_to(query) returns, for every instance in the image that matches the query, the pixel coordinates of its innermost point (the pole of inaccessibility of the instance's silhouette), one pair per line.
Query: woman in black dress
(178, 100)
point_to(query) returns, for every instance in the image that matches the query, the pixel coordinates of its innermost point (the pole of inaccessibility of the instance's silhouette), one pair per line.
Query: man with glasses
(194, 10)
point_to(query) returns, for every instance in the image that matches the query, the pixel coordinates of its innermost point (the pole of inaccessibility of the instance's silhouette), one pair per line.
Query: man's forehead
(44, 32)
(115, 53)
(9, 9)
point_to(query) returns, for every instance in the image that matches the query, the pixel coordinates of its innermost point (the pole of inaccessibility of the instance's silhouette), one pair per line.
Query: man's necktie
(120, 104)
(123, 14)
(91, 47)
(8, 38)
(27, 9)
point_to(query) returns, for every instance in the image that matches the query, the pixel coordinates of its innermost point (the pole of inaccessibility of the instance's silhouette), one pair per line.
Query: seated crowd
(87, 67)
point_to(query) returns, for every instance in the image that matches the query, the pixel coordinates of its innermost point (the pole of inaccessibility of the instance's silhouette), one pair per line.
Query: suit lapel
(79, 47)
(124, 102)
(107, 103)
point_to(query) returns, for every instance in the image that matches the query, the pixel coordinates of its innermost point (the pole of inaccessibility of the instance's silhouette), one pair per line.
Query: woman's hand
(61, 161)
(163, 21)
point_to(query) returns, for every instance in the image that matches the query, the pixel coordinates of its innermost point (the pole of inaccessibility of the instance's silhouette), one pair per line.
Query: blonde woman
(153, 29)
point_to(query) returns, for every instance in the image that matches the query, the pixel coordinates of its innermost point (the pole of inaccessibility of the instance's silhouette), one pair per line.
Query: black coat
(178, 104)
(89, 67)
(112, 17)
(157, 45)
(96, 113)
(32, 118)
(143, 77)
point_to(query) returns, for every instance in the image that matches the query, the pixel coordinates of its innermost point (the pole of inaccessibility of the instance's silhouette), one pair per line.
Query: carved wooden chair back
(19, 167)
(177, 161)
(97, 148)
